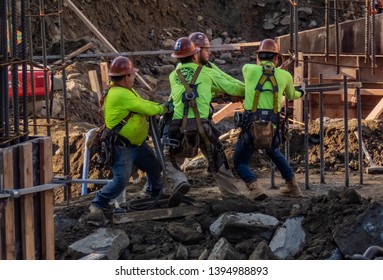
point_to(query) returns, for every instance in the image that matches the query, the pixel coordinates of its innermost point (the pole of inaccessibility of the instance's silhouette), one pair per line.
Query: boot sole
(261, 197)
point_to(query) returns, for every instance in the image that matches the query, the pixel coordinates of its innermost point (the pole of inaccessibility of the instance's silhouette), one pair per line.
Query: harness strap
(193, 104)
(267, 75)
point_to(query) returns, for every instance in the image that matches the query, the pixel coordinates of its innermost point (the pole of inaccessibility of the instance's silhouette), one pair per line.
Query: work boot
(178, 193)
(291, 189)
(95, 217)
(256, 191)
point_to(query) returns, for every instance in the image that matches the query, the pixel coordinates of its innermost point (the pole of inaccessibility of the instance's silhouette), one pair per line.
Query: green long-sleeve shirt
(252, 73)
(119, 102)
(207, 80)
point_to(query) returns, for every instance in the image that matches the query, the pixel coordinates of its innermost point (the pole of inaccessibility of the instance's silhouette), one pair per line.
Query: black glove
(302, 89)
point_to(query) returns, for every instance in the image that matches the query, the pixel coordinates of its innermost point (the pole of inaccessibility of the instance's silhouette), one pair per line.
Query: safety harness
(267, 75)
(189, 101)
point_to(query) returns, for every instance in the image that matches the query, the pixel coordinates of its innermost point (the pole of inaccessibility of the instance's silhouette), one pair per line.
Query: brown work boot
(291, 189)
(256, 191)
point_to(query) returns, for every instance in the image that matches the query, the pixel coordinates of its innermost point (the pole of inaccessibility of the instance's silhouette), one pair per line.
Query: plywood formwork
(28, 218)
(313, 62)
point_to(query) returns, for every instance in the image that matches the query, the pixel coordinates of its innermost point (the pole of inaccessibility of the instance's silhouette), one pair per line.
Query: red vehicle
(38, 76)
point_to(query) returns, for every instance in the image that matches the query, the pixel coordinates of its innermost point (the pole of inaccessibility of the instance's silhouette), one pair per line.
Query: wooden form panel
(9, 252)
(334, 105)
(26, 205)
(26, 227)
(47, 200)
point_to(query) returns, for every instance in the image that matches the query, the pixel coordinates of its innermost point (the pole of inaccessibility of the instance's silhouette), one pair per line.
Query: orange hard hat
(121, 66)
(184, 47)
(200, 40)
(268, 46)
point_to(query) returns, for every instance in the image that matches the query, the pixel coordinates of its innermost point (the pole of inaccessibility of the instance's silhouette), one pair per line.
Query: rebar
(327, 35)
(306, 117)
(337, 37)
(15, 70)
(345, 116)
(359, 119)
(24, 69)
(321, 132)
(44, 49)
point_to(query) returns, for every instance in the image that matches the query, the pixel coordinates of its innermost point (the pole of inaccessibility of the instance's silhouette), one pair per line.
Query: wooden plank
(376, 112)
(157, 214)
(104, 75)
(47, 200)
(95, 85)
(9, 214)
(26, 205)
(227, 110)
(101, 37)
(90, 25)
(75, 53)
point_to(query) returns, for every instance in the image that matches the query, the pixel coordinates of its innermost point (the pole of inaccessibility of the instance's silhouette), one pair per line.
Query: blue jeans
(244, 151)
(124, 158)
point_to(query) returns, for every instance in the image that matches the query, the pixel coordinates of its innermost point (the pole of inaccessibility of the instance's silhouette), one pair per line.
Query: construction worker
(200, 40)
(191, 128)
(125, 114)
(265, 86)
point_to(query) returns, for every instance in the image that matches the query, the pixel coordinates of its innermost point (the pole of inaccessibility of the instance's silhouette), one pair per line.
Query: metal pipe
(321, 132)
(16, 193)
(57, 180)
(359, 119)
(85, 168)
(347, 182)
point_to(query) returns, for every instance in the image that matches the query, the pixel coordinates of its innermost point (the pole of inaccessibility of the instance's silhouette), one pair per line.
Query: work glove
(167, 107)
(302, 89)
(164, 108)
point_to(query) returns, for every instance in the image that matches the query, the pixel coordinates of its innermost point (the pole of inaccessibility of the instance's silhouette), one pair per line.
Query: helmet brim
(196, 50)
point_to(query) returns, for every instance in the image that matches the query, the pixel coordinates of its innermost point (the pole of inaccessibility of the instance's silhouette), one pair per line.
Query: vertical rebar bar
(321, 132)
(292, 27)
(359, 119)
(3, 70)
(346, 167)
(24, 68)
(337, 37)
(15, 72)
(44, 49)
(296, 28)
(272, 168)
(306, 116)
(327, 35)
(287, 124)
(66, 138)
(367, 32)
(373, 50)
(31, 69)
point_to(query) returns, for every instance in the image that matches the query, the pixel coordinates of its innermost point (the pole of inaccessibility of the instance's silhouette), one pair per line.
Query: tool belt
(262, 125)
